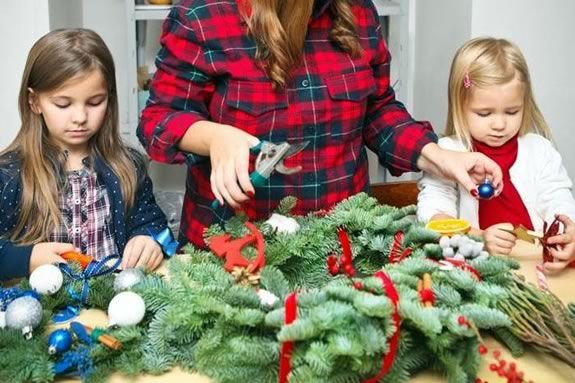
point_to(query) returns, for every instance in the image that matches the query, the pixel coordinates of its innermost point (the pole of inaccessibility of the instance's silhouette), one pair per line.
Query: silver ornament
(24, 314)
(127, 279)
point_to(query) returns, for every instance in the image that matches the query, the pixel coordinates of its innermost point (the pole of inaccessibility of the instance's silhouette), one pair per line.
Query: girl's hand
(142, 250)
(229, 150)
(48, 253)
(468, 169)
(498, 240)
(565, 252)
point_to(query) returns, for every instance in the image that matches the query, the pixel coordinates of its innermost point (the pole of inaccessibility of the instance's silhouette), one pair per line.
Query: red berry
(493, 367)
(358, 285)
(482, 349)
(348, 269)
(334, 269)
(461, 320)
(331, 260)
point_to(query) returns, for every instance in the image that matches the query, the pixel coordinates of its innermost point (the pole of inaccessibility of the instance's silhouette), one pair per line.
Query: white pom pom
(465, 249)
(444, 241)
(454, 241)
(484, 253)
(267, 298)
(459, 257)
(283, 224)
(126, 309)
(46, 279)
(448, 252)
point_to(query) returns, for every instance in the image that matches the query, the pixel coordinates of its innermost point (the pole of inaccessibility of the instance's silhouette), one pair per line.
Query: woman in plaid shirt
(232, 73)
(66, 182)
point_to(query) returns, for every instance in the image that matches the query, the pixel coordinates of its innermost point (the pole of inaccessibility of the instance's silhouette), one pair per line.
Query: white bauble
(448, 252)
(283, 224)
(24, 313)
(46, 279)
(126, 309)
(454, 240)
(267, 298)
(2, 319)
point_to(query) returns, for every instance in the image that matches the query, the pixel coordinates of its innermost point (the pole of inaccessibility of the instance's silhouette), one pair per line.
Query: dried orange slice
(450, 226)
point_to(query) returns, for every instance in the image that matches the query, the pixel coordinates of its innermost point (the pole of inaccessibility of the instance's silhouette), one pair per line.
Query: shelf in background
(159, 12)
(387, 7)
(151, 12)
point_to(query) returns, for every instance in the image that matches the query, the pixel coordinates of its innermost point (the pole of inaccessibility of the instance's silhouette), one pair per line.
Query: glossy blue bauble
(485, 190)
(59, 341)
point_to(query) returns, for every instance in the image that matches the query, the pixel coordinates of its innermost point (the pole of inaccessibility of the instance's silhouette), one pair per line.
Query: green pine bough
(200, 319)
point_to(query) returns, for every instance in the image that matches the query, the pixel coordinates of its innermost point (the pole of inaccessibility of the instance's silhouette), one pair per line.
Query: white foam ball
(448, 252)
(46, 279)
(466, 249)
(454, 241)
(267, 298)
(283, 224)
(444, 241)
(459, 257)
(126, 309)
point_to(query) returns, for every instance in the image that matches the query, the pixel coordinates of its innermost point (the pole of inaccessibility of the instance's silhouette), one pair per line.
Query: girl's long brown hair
(279, 28)
(56, 58)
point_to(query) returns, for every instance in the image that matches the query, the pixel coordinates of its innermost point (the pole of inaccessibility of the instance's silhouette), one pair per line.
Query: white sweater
(538, 175)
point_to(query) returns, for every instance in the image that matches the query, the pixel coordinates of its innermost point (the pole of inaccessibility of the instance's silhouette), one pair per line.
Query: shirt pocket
(349, 94)
(254, 106)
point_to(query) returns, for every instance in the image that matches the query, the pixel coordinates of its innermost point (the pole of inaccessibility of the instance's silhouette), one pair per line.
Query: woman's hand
(229, 151)
(48, 253)
(142, 250)
(565, 251)
(498, 240)
(467, 168)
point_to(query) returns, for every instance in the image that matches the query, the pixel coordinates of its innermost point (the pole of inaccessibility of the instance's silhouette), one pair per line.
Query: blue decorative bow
(94, 269)
(166, 241)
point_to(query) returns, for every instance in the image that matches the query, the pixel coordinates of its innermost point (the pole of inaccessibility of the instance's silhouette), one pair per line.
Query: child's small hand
(565, 251)
(498, 240)
(48, 253)
(142, 250)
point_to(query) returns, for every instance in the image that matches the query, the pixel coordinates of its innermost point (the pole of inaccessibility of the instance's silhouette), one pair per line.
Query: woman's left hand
(564, 251)
(142, 250)
(467, 168)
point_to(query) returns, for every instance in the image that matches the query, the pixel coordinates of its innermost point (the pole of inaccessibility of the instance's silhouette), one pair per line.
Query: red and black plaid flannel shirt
(206, 71)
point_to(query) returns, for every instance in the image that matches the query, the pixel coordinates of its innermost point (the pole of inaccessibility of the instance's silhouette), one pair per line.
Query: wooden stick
(427, 286)
(106, 339)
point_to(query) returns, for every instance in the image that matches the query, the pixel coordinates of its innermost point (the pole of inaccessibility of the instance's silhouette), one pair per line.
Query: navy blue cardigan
(144, 215)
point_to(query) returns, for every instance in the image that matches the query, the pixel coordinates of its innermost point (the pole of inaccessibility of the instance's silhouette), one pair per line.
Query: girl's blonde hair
(483, 62)
(53, 60)
(279, 28)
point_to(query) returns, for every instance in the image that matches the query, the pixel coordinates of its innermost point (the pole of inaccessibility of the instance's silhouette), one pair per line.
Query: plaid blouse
(85, 208)
(207, 71)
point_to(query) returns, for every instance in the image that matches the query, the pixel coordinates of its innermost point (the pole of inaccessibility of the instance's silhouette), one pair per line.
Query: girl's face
(494, 114)
(74, 112)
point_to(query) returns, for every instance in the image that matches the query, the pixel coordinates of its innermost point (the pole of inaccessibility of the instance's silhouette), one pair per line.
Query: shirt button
(305, 83)
(77, 201)
(77, 230)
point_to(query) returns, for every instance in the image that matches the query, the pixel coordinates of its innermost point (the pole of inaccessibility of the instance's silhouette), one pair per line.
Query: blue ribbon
(166, 241)
(94, 269)
(77, 359)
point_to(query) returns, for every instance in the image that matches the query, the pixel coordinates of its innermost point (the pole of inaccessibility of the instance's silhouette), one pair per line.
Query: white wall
(441, 27)
(545, 32)
(22, 22)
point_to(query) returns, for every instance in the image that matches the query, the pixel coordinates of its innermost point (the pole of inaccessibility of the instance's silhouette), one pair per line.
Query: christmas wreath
(361, 293)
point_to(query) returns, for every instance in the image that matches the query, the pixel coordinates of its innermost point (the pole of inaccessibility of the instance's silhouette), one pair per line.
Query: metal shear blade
(271, 157)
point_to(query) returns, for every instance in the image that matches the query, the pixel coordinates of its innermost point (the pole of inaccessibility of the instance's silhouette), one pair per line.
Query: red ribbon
(394, 340)
(291, 315)
(287, 347)
(396, 255)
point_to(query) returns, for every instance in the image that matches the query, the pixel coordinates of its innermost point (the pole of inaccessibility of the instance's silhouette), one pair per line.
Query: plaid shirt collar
(320, 6)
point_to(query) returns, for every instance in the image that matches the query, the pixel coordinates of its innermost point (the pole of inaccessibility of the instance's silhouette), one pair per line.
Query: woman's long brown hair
(279, 28)
(54, 59)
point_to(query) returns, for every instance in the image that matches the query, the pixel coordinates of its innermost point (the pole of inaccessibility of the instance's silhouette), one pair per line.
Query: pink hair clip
(466, 80)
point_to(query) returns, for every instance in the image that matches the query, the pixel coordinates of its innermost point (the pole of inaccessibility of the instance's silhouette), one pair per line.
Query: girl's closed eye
(512, 112)
(483, 114)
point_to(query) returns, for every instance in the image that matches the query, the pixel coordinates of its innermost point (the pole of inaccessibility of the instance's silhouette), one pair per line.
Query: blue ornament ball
(485, 190)
(59, 341)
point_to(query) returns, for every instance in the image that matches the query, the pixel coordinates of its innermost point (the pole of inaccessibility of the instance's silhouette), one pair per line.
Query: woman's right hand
(48, 252)
(229, 151)
(498, 240)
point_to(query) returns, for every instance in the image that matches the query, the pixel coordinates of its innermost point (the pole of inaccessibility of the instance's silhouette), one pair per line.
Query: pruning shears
(270, 158)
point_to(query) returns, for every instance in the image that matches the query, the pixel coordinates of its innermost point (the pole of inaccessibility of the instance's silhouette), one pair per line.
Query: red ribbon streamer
(394, 340)
(287, 347)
